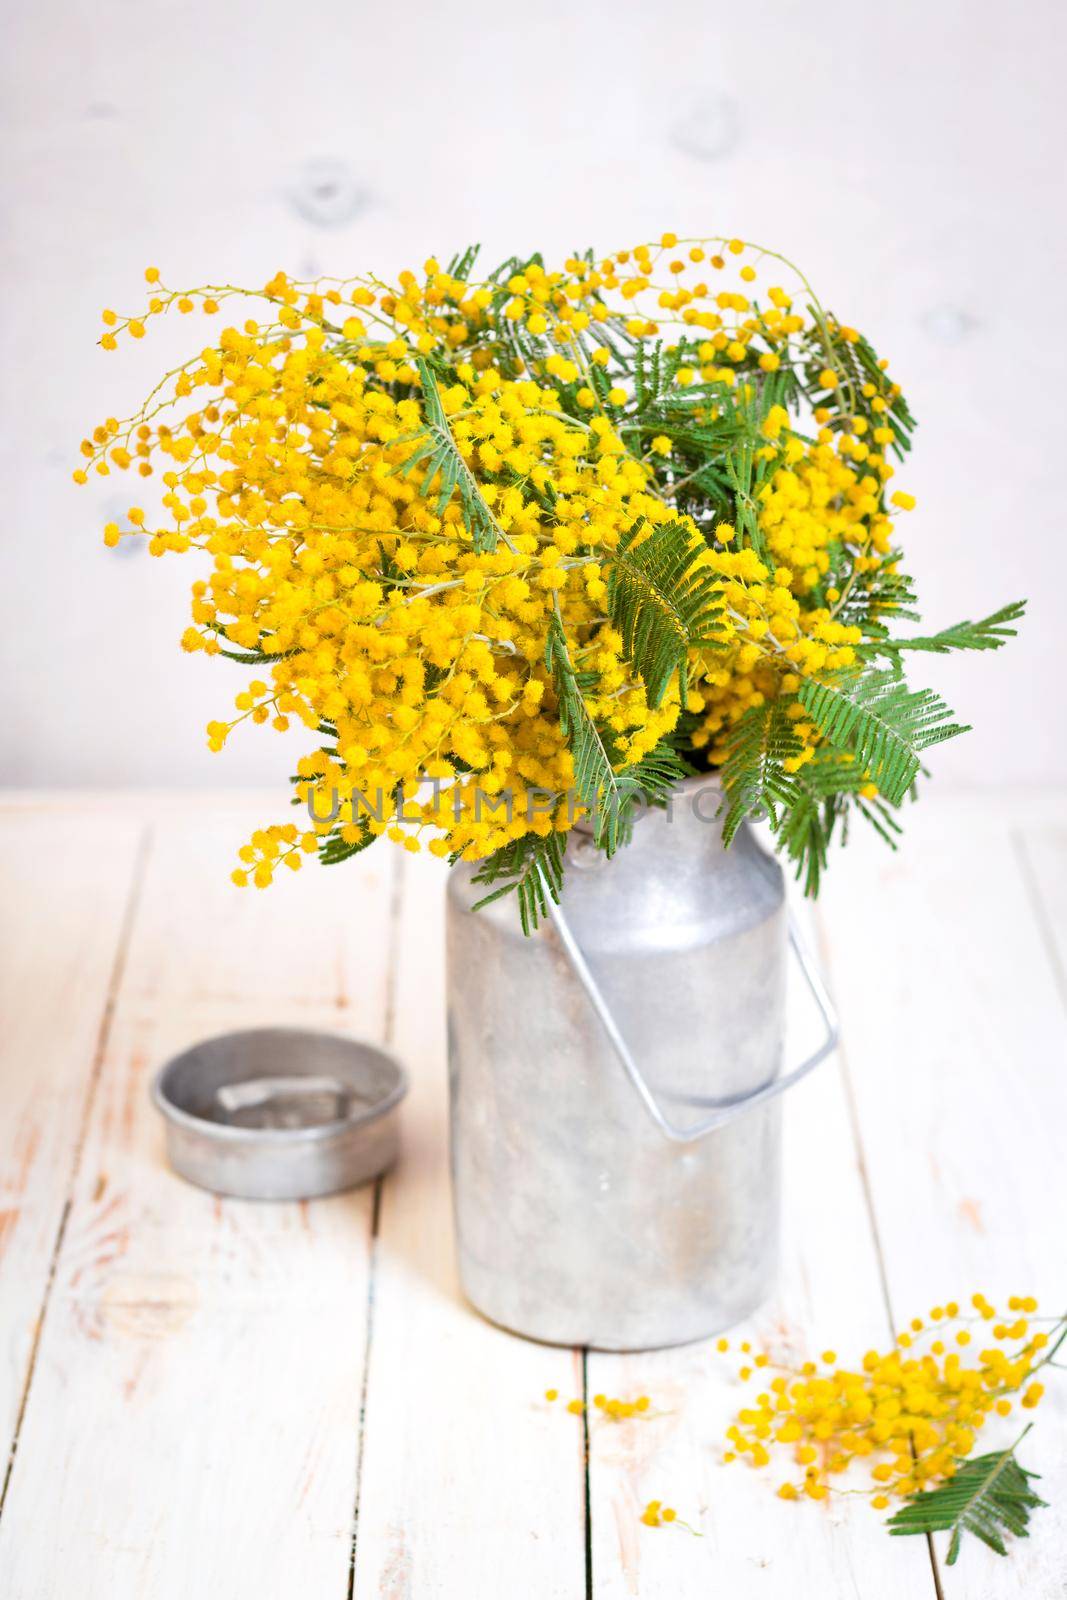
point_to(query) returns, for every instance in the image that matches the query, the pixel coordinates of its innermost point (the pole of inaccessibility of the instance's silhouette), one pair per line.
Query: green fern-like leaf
(532, 867)
(805, 810)
(251, 658)
(753, 774)
(526, 868)
(883, 723)
(653, 372)
(861, 365)
(594, 776)
(661, 604)
(989, 1497)
(333, 848)
(988, 634)
(823, 790)
(656, 775)
(461, 264)
(649, 782)
(437, 452)
(885, 594)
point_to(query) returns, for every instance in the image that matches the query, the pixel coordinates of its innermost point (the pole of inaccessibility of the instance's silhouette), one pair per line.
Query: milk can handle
(725, 1110)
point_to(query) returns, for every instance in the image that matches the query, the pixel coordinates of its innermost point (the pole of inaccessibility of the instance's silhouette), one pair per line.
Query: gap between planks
(845, 1075)
(396, 910)
(118, 967)
(1039, 910)
(969, 911)
(118, 1379)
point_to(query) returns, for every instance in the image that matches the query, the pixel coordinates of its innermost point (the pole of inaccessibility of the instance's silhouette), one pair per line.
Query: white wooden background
(909, 156)
(210, 1397)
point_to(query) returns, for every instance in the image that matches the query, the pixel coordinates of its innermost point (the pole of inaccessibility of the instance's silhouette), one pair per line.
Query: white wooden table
(211, 1398)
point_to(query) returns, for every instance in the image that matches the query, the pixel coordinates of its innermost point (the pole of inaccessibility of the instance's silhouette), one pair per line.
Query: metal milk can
(614, 1084)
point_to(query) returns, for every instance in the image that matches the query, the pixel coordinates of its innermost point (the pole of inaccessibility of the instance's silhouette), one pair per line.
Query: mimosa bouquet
(529, 547)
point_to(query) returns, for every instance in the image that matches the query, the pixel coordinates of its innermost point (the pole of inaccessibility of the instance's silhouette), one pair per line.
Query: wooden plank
(65, 888)
(472, 1486)
(192, 1427)
(957, 1045)
(193, 1423)
(830, 1292)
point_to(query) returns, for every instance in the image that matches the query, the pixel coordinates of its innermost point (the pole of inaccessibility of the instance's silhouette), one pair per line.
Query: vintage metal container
(280, 1113)
(614, 1083)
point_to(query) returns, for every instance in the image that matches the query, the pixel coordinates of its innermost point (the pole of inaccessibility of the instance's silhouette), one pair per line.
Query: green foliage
(753, 774)
(874, 728)
(652, 370)
(860, 363)
(436, 450)
(770, 592)
(714, 470)
(884, 724)
(886, 595)
(827, 791)
(805, 809)
(530, 868)
(251, 658)
(333, 849)
(654, 777)
(744, 476)
(660, 604)
(988, 634)
(649, 782)
(608, 789)
(990, 1496)
(516, 349)
(389, 574)
(462, 263)
(594, 776)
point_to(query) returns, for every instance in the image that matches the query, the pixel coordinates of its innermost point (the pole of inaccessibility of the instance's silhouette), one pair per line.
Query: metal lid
(280, 1113)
